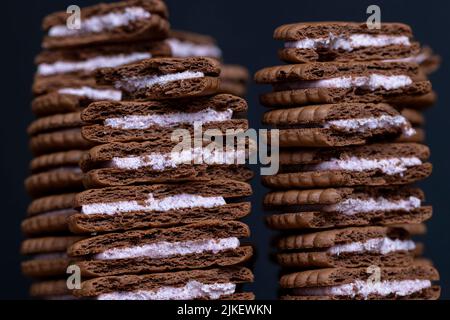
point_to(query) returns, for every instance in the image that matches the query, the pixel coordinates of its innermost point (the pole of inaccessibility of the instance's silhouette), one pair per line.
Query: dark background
(244, 31)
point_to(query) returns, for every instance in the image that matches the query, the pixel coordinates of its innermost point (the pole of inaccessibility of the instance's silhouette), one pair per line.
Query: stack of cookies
(347, 104)
(155, 222)
(110, 35)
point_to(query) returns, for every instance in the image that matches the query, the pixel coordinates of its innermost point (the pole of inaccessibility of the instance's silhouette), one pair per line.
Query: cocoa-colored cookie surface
(322, 168)
(294, 84)
(328, 34)
(144, 20)
(140, 80)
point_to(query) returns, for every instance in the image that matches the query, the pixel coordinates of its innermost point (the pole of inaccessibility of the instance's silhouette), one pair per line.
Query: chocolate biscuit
(164, 78)
(119, 22)
(368, 165)
(401, 84)
(345, 42)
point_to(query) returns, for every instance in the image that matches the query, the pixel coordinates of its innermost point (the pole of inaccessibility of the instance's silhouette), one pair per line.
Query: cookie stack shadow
(151, 223)
(348, 105)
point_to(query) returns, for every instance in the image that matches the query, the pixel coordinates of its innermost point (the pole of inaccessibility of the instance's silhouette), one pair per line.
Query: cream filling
(378, 245)
(101, 23)
(349, 43)
(366, 124)
(93, 94)
(362, 288)
(184, 49)
(389, 166)
(371, 82)
(192, 290)
(419, 59)
(168, 120)
(161, 161)
(164, 249)
(180, 201)
(89, 65)
(353, 206)
(137, 83)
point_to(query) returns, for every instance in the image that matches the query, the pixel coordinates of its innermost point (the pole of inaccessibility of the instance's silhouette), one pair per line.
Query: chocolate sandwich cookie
(345, 42)
(401, 84)
(119, 22)
(61, 132)
(84, 62)
(415, 229)
(55, 173)
(410, 283)
(164, 78)
(156, 206)
(234, 79)
(428, 60)
(51, 290)
(417, 121)
(201, 245)
(368, 165)
(48, 215)
(48, 256)
(350, 248)
(337, 125)
(122, 164)
(127, 121)
(327, 208)
(209, 284)
(184, 44)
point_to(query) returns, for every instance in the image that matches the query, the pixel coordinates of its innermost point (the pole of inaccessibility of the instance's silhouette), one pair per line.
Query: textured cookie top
(335, 276)
(51, 203)
(158, 67)
(372, 151)
(193, 37)
(304, 30)
(335, 195)
(213, 229)
(324, 70)
(102, 285)
(47, 245)
(54, 160)
(102, 110)
(320, 114)
(55, 122)
(223, 188)
(327, 239)
(155, 48)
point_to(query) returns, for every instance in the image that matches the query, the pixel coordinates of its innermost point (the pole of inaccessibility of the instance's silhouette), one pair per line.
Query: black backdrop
(244, 30)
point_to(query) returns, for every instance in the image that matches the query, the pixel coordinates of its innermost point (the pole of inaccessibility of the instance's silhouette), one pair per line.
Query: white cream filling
(362, 288)
(180, 201)
(378, 245)
(93, 94)
(184, 49)
(353, 206)
(73, 169)
(166, 249)
(366, 124)
(137, 83)
(101, 23)
(371, 82)
(348, 43)
(389, 166)
(56, 213)
(89, 65)
(161, 161)
(419, 59)
(192, 290)
(168, 120)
